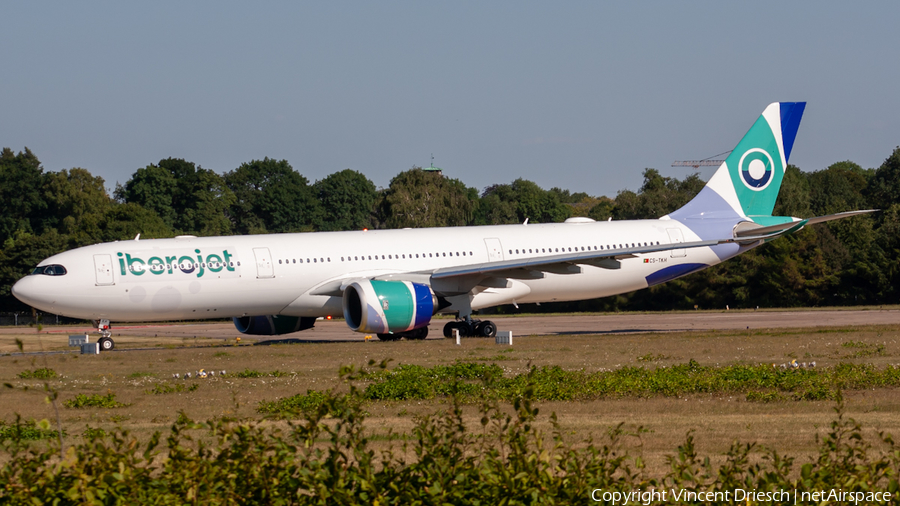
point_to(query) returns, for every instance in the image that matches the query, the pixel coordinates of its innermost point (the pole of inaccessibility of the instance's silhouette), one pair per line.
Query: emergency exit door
(675, 237)
(494, 249)
(103, 270)
(264, 267)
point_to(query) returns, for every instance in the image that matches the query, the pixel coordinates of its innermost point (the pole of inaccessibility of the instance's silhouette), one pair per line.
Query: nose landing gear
(103, 328)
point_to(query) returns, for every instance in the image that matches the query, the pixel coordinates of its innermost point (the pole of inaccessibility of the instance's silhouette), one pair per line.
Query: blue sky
(581, 95)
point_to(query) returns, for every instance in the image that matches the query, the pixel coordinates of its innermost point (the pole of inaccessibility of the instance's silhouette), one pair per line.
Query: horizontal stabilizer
(792, 224)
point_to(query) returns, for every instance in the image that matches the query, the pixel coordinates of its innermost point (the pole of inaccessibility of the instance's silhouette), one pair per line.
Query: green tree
(270, 196)
(125, 221)
(838, 188)
(21, 205)
(602, 210)
(521, 200)
(188, 198)
(657, 197)
(416, 199)
(883, 189)
(347, 201)
(794, 195)
(537, 204)
(77, 203)
(497, 206)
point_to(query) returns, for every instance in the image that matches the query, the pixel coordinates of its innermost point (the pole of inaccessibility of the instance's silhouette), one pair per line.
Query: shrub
(165, 388)
(27, 431)
(506, 460)
(94, 401)
(552, 383)
(42, 373)
(297, 404)
(253, 373)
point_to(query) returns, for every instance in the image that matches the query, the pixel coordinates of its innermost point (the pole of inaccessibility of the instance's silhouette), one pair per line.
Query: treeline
(843, 263)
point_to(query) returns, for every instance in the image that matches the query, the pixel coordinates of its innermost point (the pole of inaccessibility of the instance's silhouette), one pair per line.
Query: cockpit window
(50, 270)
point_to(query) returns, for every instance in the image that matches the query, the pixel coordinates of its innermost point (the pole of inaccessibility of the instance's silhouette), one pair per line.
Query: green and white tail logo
(756, 165)
(751, 176)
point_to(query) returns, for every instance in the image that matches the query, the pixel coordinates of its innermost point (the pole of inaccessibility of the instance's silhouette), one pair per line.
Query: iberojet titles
(164, 262)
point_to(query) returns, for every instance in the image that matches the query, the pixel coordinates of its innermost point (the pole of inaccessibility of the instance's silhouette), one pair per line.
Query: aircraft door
(264, 267)
(494, 249)
(675, 237)
(103, 270)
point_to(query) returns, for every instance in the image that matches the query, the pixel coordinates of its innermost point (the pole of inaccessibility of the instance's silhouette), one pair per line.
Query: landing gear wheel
(486, 329)
(106, 344)
(464, 329)
(448, 329)
(388, 337)
(419, 334)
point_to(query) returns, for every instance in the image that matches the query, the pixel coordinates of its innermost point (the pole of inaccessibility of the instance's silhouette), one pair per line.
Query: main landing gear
(471, 328)
(418, 334)
(106, 343)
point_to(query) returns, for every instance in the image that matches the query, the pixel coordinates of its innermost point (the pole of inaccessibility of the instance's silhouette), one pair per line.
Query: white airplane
(391, 282)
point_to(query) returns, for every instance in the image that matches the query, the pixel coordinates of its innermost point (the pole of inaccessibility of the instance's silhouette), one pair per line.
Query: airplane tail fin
(747, 183)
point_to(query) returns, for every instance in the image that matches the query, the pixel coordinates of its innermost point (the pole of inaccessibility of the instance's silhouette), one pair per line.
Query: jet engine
(388, 306)
(273, 325)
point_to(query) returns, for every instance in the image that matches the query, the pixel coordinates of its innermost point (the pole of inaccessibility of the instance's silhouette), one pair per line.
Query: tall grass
(324, 457)
(553, 383)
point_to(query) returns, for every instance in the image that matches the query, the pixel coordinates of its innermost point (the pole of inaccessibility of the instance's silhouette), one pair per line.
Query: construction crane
(706, 162)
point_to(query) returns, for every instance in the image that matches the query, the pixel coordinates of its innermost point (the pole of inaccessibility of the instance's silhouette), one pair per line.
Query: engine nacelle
(388, 306)
(273, 325)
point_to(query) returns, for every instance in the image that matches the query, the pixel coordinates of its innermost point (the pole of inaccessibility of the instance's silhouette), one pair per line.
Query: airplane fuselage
(232, 276)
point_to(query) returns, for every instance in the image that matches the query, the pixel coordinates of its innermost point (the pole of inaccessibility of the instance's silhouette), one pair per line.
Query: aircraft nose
(26, 291)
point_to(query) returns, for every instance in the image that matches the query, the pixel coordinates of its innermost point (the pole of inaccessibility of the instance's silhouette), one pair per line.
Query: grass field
(151, 399)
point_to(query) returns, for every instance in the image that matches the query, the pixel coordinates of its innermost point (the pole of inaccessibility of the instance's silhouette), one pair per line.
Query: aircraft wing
(608, 259)
(567, 263)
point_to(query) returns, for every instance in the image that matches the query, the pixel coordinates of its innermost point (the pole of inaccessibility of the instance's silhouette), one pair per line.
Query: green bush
(506, 460)
(94, 401)
(253, 373)
(165, 388)
(91, 433)
(297, 404)
(27, 431)
(552, 383)
(42, 373)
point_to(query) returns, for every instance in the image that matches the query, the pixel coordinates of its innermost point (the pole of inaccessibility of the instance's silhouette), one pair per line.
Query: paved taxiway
(623, 323)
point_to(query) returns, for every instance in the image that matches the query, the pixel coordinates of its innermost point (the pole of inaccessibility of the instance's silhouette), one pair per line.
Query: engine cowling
(388, 306)
(272, 325)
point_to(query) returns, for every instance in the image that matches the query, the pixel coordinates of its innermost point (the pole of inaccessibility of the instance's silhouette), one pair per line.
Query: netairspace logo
(166, 263)
(653, 496)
